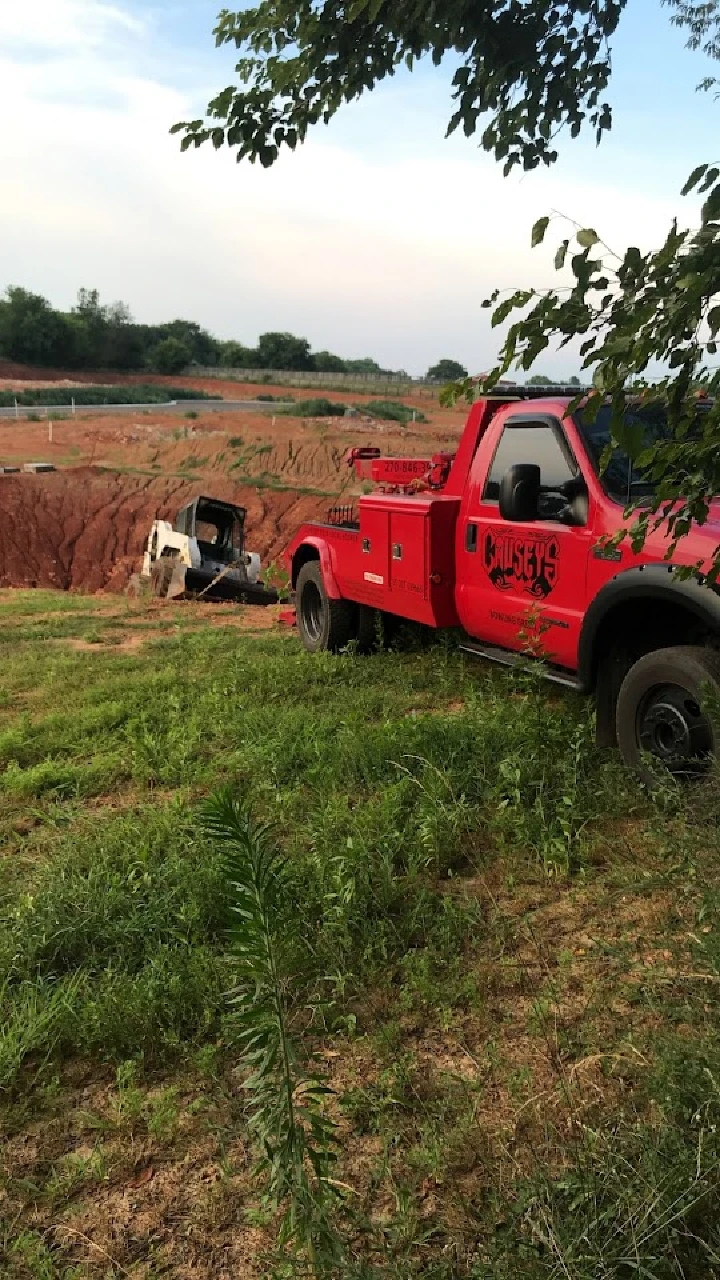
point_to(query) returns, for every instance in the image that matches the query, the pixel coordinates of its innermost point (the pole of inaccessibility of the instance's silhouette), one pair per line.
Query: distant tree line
(95, 336)
(542, 380)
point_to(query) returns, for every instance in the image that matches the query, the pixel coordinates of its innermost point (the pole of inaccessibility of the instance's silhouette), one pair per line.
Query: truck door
(517, 572)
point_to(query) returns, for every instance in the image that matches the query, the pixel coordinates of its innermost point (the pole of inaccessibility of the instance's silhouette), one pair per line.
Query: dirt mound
(84, 529)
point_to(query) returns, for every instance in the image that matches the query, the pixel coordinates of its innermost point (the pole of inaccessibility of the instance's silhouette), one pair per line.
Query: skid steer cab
(202, 555)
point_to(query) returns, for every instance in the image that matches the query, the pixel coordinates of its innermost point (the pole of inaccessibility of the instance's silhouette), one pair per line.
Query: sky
(377, 237)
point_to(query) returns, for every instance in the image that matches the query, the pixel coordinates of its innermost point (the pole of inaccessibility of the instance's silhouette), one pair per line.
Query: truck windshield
(622, 479)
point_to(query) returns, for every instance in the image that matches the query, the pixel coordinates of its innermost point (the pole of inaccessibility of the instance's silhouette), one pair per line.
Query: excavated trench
(84, 529)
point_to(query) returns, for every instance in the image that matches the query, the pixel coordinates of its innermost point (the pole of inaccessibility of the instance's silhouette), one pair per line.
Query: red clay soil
(86, 530)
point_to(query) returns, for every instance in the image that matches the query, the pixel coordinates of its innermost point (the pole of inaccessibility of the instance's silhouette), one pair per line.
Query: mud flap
(612, 670)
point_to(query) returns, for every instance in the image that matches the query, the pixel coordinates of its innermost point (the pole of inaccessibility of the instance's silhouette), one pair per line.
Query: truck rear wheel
(160, 575)
(322, 623)
(660, 713)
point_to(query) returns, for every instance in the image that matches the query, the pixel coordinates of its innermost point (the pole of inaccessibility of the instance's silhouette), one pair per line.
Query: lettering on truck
(405, 466)
(531, 563)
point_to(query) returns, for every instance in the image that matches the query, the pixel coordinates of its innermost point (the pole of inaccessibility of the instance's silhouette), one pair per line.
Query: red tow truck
(508, 539)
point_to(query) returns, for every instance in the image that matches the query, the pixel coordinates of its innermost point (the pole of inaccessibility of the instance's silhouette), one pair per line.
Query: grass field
(505, 957)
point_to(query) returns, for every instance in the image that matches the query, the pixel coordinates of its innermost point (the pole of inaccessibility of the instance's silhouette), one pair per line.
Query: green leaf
(586, 237)
(710, 177)
(561, 255)
(711, 208)
(694, 178)
(502, 312)
(538, 231)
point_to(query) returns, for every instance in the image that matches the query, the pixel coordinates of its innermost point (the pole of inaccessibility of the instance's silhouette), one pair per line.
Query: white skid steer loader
(202, 555)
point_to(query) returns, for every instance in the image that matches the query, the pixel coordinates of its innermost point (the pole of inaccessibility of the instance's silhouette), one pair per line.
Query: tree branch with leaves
(533, 69)
(648, 324)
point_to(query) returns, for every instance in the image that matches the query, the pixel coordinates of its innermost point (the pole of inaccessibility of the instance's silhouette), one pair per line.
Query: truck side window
(530, 442)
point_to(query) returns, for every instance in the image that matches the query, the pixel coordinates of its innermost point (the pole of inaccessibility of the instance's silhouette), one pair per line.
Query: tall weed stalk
(288, 1118)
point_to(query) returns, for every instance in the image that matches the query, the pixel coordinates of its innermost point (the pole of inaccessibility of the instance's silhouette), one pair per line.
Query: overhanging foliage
(533, 68)
(636, 314)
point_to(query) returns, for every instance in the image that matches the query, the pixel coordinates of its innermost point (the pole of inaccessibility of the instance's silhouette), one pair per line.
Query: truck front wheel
(322, 623)
(660, 713)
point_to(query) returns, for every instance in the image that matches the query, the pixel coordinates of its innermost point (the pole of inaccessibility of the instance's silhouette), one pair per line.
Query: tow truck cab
(507, 540)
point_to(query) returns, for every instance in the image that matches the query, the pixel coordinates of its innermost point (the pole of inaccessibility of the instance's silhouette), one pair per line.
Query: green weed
(74, 1173)
(391, 411)
(288, 1118)
(320, 407)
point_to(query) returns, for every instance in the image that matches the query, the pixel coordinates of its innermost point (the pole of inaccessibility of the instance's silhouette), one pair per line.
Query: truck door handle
(471, 537)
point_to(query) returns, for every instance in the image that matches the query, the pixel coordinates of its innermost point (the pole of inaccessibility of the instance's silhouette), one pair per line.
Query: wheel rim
(311, 610)
(672, 726)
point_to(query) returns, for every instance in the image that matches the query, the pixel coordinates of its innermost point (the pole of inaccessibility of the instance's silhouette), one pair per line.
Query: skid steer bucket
(176, 587)
(189, 584)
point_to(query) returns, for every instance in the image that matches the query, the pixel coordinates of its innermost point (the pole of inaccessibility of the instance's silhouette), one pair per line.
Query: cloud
(63, 24)
(363, 248)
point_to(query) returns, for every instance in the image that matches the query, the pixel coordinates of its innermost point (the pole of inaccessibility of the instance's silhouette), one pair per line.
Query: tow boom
(400, 475)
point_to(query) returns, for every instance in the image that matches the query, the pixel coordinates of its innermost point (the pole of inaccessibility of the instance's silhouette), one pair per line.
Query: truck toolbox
(404, 566)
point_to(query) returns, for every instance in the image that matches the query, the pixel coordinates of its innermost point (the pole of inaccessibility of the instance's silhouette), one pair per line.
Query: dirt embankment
(86, 530)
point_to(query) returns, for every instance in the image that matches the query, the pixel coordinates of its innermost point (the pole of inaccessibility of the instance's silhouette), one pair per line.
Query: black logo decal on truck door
(517, 561)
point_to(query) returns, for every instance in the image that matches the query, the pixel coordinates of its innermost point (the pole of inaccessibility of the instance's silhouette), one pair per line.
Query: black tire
(323, 624)
(659, 712)
(160, 575)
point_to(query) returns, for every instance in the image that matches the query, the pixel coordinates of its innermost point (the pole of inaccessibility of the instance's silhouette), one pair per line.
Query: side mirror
(520, 492)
